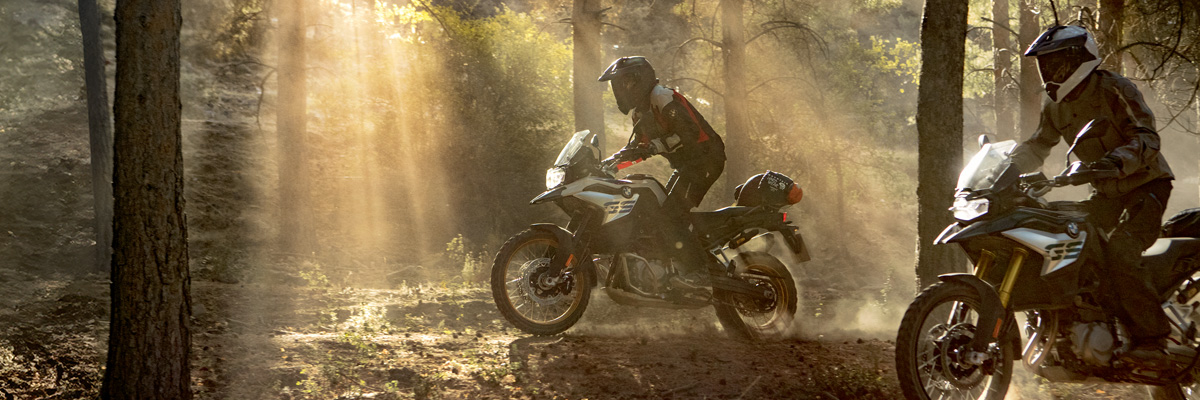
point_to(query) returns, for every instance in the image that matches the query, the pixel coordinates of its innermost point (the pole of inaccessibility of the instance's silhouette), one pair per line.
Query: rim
(535, 294)
(774, 316)
(946, 333)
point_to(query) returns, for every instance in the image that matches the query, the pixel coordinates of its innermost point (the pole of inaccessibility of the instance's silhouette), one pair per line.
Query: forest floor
(294, 335)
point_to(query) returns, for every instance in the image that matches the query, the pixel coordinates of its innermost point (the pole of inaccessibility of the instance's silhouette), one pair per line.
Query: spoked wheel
(759, 319)
(1190, 389)
(933, 347)
(528, 294)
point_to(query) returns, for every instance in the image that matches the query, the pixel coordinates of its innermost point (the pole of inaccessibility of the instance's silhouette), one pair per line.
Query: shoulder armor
(661, 96)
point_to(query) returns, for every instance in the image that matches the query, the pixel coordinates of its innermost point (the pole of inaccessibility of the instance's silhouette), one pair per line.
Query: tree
(1109, 36)
(1002, 70)
(587, 64)
(295, 230)
(1030, 84)
(939, 131)
(737, 118)
(149, 339)
(99, 130)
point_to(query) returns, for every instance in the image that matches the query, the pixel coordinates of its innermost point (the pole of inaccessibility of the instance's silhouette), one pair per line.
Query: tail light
(795, 194)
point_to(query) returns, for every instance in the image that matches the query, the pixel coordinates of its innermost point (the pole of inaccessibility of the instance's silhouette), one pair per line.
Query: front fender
(549, 195)
(991, 313)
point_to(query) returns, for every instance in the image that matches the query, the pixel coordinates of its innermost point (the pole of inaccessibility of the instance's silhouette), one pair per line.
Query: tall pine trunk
(99, 130)
(1002, 71)
(939, 132)
(1110, 35)
(295, 227)
(587, 66)
(1030, 83)
(737, 119)
(149, 339)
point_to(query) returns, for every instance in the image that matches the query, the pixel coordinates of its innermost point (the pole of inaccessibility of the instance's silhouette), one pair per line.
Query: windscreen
(983, 169)
(578, 141)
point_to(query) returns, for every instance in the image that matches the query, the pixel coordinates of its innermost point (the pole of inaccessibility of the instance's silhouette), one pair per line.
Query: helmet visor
(1057, 66)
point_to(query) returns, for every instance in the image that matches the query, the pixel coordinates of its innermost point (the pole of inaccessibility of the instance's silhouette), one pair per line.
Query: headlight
(555, 176)
(966, 210)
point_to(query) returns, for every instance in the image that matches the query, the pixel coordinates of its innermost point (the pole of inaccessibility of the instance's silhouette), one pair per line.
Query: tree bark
(939, 132)
(1110, 35)
(1002, 70)
(737, 121)
(295, 228)
(587, 66)
(1030, 82)
(149, 339)
(99, 130)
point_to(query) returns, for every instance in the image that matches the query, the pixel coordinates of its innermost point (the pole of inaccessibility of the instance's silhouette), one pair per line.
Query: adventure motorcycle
(542, 278)
(959, 337)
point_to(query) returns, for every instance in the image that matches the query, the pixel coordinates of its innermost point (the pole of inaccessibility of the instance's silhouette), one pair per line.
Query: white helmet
(1065, 57)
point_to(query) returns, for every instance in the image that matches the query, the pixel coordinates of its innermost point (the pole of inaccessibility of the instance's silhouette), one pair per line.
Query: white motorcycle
(542, 278)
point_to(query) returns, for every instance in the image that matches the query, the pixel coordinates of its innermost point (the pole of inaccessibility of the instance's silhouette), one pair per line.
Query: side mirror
(983, 140)
(595, 141)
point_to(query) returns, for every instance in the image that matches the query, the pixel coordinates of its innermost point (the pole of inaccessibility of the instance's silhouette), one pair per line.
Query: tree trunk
(99, 130)
(1002, 70)
(1109, 37)
(1030, 82)
(939, 132)
(737, 121)
(295, 228)
(589, 106)
(149, 339)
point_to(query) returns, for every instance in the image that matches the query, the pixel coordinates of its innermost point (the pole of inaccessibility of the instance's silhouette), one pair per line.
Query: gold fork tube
(1010, 277)
(985, 261)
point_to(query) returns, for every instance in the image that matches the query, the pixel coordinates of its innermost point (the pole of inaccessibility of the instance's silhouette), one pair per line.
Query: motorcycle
(542, 278)
(960, 338)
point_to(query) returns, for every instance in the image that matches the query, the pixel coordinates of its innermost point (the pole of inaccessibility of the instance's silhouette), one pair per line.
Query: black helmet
(1065, 57)
(632, 80)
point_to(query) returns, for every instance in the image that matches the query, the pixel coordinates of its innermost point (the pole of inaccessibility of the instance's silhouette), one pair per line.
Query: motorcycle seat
(707, 220)
(1161, 258)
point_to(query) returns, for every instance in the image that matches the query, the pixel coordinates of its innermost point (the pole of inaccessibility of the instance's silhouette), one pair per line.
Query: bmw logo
(626, 191)
(1072, 229)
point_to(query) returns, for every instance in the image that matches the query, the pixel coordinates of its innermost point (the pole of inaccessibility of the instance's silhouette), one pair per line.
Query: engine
(1093, 342)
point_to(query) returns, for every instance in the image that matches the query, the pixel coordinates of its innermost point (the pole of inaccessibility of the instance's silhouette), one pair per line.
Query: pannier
(1184, 224)
(767, 189)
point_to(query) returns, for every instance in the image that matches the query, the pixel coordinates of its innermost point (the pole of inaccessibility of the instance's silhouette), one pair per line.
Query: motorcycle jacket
(1129, 140)
(677, 131)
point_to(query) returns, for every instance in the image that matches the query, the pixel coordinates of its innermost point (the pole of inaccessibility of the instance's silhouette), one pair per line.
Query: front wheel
(753, 318)
(933, 344)
(531, 297)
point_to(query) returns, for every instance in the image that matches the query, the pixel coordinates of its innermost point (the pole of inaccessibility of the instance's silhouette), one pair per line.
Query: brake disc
(541, 288)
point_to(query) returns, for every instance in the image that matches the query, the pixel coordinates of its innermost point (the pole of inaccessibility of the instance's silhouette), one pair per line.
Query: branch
(700, 39)
(614, 26)
(702, 84)
(997, 25)
(428, 9)
(262, 90)
(764, 83)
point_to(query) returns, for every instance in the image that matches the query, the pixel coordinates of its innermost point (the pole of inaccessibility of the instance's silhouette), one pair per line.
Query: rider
(1067, 58)
(665, 123)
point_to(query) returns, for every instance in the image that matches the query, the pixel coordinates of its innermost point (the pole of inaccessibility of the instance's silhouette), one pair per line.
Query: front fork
(996, 303)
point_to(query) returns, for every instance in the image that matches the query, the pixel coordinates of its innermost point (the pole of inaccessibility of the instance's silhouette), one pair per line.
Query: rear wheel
(759, 319)
(528, 295)
(1190, 390)
(933, 344)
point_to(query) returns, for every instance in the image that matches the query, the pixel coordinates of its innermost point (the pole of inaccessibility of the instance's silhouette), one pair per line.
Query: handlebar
(1075, 175)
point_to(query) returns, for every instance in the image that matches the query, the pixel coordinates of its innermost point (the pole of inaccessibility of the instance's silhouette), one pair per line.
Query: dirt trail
(430, 341)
